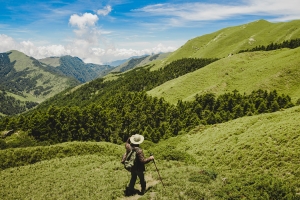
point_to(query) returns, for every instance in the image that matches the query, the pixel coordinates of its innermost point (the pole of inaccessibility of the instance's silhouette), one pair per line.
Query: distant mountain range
(139, 61)
(23, 78)
(26, 81)
(76, 68)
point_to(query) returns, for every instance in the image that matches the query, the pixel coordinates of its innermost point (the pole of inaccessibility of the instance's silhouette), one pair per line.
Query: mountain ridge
(76, 68)
(231, 40)
(23, 78)
(243, 72)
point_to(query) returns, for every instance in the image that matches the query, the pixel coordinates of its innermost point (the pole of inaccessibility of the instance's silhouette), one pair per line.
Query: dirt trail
(150, 183)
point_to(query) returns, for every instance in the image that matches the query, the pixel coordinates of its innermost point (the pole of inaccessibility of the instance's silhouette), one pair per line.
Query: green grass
(52, 61)
(231, 40)
(272, 70)
(253, 157)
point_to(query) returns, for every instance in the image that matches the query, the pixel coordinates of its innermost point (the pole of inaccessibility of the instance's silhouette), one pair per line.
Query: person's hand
(151, 157)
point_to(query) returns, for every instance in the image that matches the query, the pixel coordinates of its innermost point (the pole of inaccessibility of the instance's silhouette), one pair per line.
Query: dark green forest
(128, 113)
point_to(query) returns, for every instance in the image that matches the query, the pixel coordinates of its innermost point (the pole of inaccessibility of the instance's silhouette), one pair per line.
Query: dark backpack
(130, 160)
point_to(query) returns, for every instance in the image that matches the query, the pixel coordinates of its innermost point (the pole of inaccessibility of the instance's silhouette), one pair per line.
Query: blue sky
(100, 31)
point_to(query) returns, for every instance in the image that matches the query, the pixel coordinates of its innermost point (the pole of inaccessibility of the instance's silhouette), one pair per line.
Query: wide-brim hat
(136, 139)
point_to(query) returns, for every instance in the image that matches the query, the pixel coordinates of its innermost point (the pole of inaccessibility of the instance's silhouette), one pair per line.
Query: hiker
(138, 169)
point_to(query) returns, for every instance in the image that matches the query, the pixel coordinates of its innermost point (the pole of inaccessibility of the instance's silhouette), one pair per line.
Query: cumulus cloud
(105, 11)
(28, 47)
(83, 21)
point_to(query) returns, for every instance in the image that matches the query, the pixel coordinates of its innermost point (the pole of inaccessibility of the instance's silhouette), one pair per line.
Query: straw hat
(136, 139)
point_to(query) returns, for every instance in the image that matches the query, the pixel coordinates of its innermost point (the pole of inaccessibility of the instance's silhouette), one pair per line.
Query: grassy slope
(232, 39)
(223, 43)
(236, 150)
(52, 61)
(245, 72)
(59, 83)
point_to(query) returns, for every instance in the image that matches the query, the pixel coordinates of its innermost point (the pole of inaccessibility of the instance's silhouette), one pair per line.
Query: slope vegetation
(231, 40)
(252, 157)
(268, 70)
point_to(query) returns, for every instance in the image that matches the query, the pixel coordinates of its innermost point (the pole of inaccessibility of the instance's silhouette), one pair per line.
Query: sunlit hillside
(268, 70)
(231, 40)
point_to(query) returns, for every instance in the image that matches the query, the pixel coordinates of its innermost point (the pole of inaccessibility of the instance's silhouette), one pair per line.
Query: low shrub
(24, 156)
(257, 187)
(203, 176)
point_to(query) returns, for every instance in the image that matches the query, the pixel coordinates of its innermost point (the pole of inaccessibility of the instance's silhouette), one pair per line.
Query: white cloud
(105, 11)
(28, 47)
(278, 10)
(78, 47)
(83, 21)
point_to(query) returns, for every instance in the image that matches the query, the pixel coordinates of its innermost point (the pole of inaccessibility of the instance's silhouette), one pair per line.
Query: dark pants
(134, 176)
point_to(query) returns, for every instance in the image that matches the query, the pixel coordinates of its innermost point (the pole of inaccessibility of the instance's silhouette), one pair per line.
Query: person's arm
(142, 158)
(127, 145)
(128, 148)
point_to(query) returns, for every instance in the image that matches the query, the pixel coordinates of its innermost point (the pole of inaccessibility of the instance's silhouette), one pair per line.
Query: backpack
(130, 160)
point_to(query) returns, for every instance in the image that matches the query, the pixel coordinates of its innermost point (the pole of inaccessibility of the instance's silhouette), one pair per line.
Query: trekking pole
(157, 171)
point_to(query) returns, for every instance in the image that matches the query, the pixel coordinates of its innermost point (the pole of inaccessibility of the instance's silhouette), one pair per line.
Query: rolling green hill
(252, 157)
(267, 70)
(231, 40)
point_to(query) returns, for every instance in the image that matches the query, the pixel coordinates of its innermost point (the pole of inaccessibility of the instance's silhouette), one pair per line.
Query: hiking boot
(143, 186)
(129, 192)
(143, 191)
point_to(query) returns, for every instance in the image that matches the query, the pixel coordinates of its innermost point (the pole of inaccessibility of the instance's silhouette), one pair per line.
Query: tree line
(292, 44)
(11, 106)
(127, 113)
